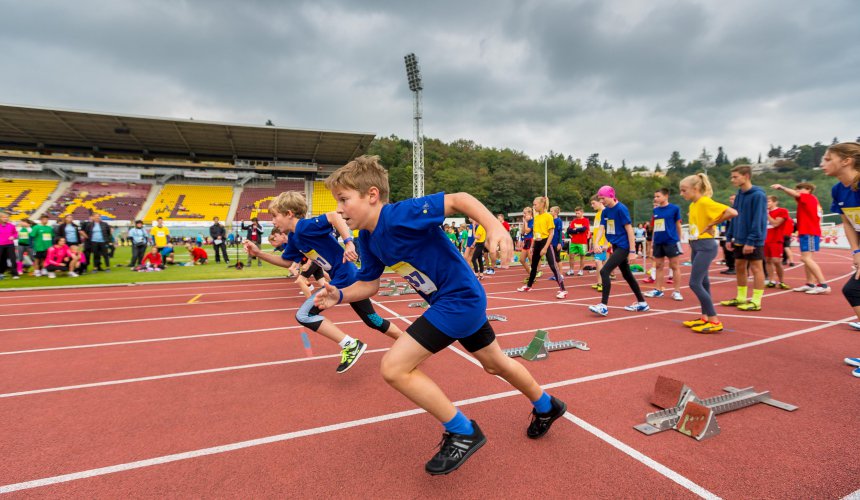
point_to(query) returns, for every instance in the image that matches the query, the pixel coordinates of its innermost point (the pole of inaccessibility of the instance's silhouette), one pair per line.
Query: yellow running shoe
(695, 322)
(708, 328)
(750, 306)
(733, 302)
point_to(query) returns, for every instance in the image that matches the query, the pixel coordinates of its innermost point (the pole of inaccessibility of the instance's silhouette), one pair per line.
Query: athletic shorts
(42, 254)
(53, 268)
(809, 242)
(527, 244)
(757, 254)
(600, 256)
(577, 249)
(670, 250)
(434, 340)
(313, 270)
(786, 241)
(773, 250)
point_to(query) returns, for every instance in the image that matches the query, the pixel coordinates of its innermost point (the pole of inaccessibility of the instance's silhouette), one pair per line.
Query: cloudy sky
(631, 79)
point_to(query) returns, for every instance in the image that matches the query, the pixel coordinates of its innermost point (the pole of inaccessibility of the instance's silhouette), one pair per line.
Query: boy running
(314, 238)
(808, 234)
(773, 243)
(406, 236)
(667, 243)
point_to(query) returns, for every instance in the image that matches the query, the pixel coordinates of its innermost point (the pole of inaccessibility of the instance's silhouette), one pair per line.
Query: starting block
(390, 293)
(540, 347)
(422, 304)
(694, 417)
(406, 290)
(496, 317)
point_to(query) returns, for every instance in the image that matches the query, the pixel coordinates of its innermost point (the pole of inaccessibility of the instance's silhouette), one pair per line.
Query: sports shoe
(852, 361)
(526, 279)
(599, 309)
(637, 307)
(539, 274)
(73, 274)
(819, 290)
(732, 302)
(15, 277)
(676, 295)
(728, 271)
(553, 278)
(856, 372)
(694, 322)
(52, 275)
(561, 294)
(580, 273)
(784, 286)
(524, 288)
(855, 325)
(805, 288)
(541, 422)
(670, 281)
(599, 288)
(569, 273)
(454, 450)
(649, 279)
(490, 271)
(596, 286)
(349, 355)
(708, 328)
(750, 306)
(37, 273)
(771, 284)
(654, 294)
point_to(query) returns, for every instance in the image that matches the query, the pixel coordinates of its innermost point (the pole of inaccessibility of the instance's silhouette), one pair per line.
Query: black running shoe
(454, 449)
(541, 422)
(349, 355)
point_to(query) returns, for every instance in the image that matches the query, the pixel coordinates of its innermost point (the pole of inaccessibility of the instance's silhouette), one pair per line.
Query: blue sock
(543, 404)
(459, 425)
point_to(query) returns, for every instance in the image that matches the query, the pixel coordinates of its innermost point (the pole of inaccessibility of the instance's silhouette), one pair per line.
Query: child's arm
(791, 192)
(549, 236)
(597, 236)
(464, 203)
(631, 238)
(331, 296)
(337, 222)
(729, 213)
(276, 260)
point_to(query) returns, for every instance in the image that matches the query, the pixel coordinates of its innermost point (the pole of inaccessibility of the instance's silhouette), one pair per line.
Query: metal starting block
(694, 417)
(496, 317)
(407, 290)
(390, 293)
(540, 347)
(422, 304)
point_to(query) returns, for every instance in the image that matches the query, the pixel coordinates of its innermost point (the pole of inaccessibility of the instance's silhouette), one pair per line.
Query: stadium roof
(63, 130)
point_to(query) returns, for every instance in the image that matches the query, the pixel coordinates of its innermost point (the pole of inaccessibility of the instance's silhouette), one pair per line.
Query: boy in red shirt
(152, 260)
(773, 247)
(579, 232)
(198, 255)
(809, 235)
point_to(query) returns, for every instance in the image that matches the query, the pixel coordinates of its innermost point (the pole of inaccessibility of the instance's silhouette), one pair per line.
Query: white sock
(346, 342)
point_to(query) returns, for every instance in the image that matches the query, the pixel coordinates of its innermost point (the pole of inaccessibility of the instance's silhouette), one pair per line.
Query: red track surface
(144, 394)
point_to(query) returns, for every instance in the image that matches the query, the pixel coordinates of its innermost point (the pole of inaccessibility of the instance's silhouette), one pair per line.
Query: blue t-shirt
(97, 234)
(408, 239)
(556, 234)
(613, 221)
(166, 251)
(530, 234)
(665, 224)
(71, 234)
(847, 202)
(313, 238)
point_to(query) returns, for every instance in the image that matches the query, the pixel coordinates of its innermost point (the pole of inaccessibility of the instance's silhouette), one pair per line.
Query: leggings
(704, 252)
(478, 258)
(851, 291)
(550, 259)
(619, 260)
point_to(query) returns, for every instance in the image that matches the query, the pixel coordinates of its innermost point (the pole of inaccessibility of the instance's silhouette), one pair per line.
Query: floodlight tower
(413, 73)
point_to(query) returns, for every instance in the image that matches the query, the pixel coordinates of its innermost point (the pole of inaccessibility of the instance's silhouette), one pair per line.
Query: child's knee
(390, 370)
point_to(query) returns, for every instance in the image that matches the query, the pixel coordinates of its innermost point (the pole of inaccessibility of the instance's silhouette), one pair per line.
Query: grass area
(122, 274)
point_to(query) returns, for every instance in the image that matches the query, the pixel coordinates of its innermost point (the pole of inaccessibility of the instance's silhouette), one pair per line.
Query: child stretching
(616, 225)
(705, 215)
(544, 229)
(407, 237)
(314, 238)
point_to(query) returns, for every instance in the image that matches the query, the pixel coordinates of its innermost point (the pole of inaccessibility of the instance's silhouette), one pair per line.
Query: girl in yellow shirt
(543, 229)
(705, 215)
(478, 252)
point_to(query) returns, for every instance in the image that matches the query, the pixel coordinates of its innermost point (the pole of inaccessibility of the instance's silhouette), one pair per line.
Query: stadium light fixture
(413, 75)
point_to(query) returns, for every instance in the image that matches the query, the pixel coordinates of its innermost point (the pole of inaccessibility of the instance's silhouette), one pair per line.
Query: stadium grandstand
(60, 162)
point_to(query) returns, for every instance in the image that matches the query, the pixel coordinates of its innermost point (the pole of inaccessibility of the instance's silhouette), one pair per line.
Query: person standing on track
(478, 251)
(667, 243)
(615, 223)
(774, 242)
(406, 237)
(808, 234)
(544, 228)
(705, 216)
(578, 233)
(527, 236)
(598, 241)
(843, 162)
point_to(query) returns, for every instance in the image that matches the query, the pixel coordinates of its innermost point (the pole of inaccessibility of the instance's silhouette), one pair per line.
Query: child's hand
(251, 249)
(497, 237)
(349, 253)
(327, 297)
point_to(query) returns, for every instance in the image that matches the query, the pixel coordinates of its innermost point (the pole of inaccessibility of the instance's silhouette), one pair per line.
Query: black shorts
(313, 270)
(670, 250)
(434, 340)
(53, 268)
(786, 241)
(41, 255)
(757, 254)
(527, 243)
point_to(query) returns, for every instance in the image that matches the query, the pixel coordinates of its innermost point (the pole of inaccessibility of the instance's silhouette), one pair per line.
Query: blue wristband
(347, 240)
(855, 252)
(340, 299)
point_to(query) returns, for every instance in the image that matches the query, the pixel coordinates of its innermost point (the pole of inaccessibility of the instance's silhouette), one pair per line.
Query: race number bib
(659, 225)
(159, 234)
(314, 256)
(47, 237)
(853, 215)
(416, 279)
(610, 226)
(218, 241)
(694, 232)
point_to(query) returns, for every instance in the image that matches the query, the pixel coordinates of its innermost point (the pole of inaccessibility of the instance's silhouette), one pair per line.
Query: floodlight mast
(413, 74)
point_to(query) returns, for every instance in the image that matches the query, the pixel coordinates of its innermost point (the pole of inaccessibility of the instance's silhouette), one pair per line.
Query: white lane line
(140, 288)
(852, 496)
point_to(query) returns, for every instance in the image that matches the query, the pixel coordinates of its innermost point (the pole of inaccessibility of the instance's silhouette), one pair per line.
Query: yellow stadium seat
(21, 197)
(178, 202)
(322, 201)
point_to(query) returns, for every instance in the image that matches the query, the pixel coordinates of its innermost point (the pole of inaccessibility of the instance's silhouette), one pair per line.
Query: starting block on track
(496, 317)
(540, 347)
(422, 304)
(694, 417)
(390, 293)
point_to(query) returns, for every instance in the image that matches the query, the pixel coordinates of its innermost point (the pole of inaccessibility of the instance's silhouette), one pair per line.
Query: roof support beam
(188, 146)
(275, 150)
(71, 128)
(230, 138)
(16, 129)
(316, 148)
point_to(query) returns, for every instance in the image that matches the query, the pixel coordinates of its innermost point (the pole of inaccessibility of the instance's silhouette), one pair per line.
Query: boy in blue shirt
(666, 242)
(314, 239)
(407, 237)
(616, 226)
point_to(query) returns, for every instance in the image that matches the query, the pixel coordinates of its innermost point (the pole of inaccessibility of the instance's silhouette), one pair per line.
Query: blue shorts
(600, 256)
(809, 242)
